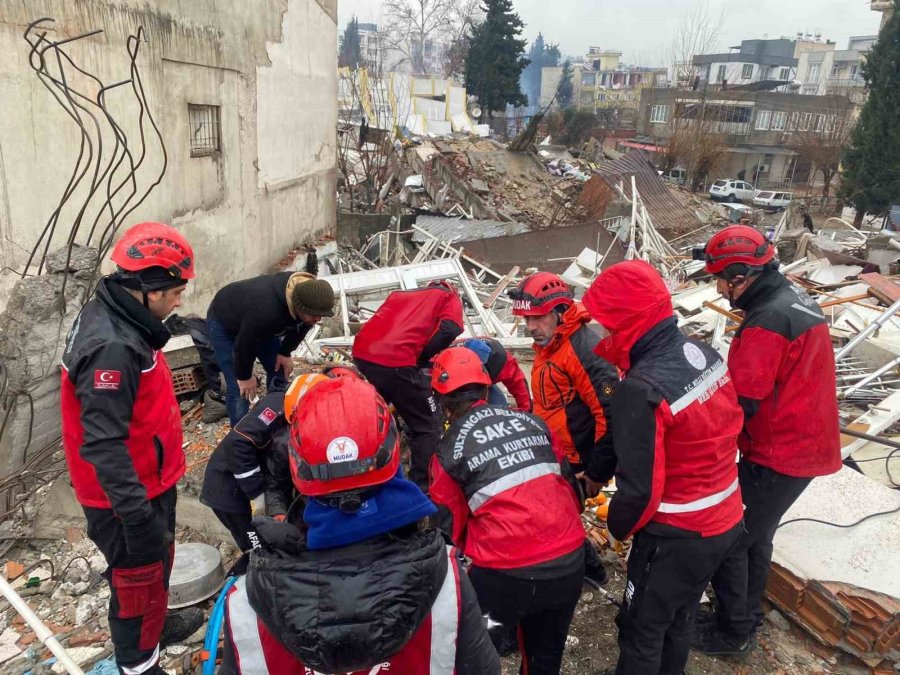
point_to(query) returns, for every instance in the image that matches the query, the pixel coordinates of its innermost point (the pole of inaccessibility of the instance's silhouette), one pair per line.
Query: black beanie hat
(314, 297)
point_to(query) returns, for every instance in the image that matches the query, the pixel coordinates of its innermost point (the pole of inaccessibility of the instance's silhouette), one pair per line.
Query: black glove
(145, 537)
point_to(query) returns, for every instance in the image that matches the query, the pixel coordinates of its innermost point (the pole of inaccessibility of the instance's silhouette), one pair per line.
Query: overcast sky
(642, 29)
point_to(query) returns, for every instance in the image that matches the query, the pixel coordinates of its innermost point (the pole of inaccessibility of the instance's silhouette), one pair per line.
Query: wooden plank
(501, 286)
(884, 289)
(724, 312)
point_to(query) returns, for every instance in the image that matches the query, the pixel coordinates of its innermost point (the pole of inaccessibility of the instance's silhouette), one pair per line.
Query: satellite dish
(475, 112)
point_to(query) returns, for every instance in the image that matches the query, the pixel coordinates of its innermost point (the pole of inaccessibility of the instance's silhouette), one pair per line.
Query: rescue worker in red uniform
(782, 362)
(388, 596)
(493, 468)
(571, 385)
(677, 421)
(239, 481)
(392, 351)
(121, 430)
(502, 368)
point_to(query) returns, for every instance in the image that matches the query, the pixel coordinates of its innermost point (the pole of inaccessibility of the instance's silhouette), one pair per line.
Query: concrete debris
(82, 261)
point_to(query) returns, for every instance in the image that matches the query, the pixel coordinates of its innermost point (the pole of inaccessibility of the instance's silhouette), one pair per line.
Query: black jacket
(253, 311)
(121, 423)
(350, 608)
(238, 470)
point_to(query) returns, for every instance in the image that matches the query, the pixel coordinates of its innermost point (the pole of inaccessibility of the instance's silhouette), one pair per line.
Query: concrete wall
(271, 67)
(533, 249)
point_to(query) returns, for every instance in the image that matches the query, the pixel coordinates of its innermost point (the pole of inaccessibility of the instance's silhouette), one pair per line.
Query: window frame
(778, 114)
(744, 74)
(207, 146)
(763, 120)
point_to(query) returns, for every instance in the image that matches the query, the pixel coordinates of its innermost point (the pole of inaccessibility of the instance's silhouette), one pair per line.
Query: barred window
(205, 134)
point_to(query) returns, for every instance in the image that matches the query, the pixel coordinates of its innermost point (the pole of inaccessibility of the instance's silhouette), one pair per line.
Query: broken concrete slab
(866, 555)
(61, 510)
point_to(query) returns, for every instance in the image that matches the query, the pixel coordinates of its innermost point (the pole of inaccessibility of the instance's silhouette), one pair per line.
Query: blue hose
(214, 627)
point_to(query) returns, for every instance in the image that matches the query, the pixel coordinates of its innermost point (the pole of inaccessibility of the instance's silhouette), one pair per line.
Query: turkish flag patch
(268, 416)
(107, 379)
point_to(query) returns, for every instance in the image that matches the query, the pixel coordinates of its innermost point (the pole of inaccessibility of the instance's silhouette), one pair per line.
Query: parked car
(676, 176)
(731, 190)
(773, 201)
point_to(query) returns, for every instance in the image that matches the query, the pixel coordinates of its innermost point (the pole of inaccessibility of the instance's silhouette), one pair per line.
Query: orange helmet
(298, 389)
(343, 439)
(456, 367)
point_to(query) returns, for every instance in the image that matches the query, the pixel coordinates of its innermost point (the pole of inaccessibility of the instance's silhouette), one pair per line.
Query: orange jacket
(572, 388)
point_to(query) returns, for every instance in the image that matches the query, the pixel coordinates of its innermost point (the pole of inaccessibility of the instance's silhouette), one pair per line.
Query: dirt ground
(592, 645)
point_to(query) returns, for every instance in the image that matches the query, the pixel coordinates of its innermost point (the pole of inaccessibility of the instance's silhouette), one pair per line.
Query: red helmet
(737, 244)
(149, 245)
(539, 294)
(343, 439)
(298, 389)
(456, 367)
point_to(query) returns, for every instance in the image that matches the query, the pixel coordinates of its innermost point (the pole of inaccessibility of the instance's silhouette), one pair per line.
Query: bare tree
(696, 143)
(697, 33)
(819, 139)
(412, 27)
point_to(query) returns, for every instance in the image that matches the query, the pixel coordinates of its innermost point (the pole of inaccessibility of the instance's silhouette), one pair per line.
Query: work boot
(716, 643)
(180, 625)
(705, 620)
(213, 407)
(595, 574)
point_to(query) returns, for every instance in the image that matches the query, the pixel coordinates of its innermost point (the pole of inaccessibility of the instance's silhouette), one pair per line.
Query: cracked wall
(270, 66)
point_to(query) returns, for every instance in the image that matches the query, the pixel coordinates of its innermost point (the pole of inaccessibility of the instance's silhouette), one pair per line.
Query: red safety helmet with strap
(456, 367)
(343, 441)
(156, 255)
(738, 245)
(540, 293)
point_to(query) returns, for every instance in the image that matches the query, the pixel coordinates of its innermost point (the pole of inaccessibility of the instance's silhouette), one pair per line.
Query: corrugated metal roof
(665, 210)
(459, 230)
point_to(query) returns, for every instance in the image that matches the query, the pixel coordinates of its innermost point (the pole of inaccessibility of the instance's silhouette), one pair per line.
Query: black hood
(346, 609)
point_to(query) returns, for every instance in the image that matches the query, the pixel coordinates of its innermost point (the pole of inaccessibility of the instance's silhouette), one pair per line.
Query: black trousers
(740, 581)
(541, 608)
(409, 389)
(667, 573)
(241, 527)
(139, 585)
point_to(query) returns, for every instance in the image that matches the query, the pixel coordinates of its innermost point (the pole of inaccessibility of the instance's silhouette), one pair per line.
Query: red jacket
(499, 478)
(120, 421)
(410, 327)
(676, 414)
(782, 362)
